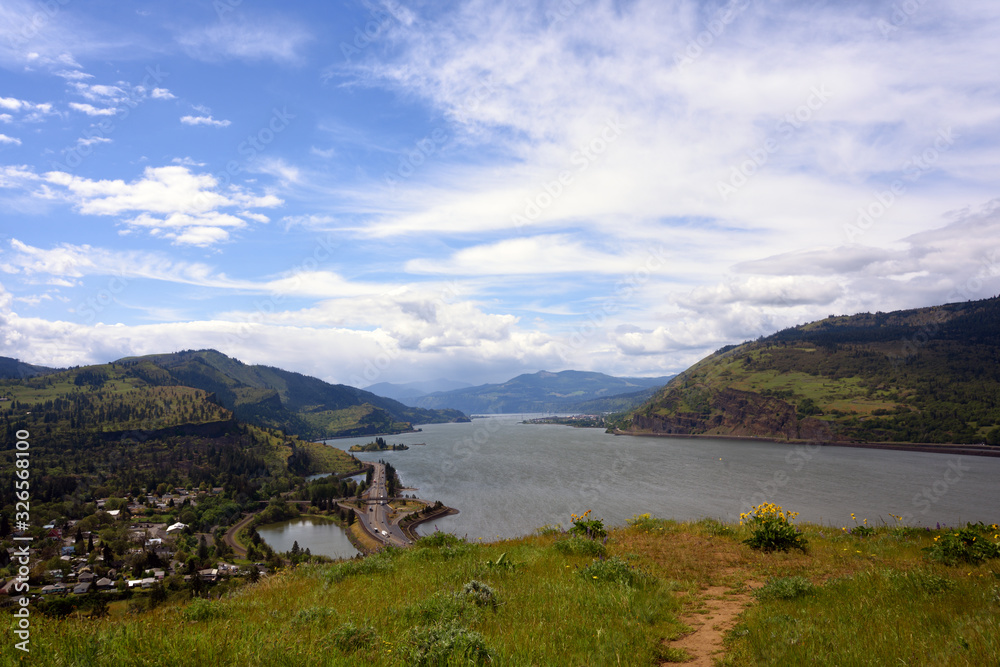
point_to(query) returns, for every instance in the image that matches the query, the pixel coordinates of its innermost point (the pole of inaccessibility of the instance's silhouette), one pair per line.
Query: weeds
(351, 638)
(445, 644)
(615, 570)
(785, 588)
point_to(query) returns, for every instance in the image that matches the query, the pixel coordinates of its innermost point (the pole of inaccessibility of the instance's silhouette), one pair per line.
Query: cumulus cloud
(171, 202)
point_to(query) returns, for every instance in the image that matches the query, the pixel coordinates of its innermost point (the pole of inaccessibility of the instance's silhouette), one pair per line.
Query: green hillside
(543, 391)
(121, 429)
(295, 403)
(928, 375)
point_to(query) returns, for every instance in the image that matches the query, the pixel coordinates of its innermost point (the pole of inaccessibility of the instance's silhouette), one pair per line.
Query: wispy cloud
(204, 120)
(248, 38)
(91, 110)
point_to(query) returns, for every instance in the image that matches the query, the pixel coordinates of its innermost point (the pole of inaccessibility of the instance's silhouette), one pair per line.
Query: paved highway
(376, 512)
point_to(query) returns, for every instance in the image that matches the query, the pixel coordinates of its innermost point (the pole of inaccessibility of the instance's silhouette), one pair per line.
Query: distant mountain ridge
(543, 391)
(408, 392)
(925, 375)
(14, 369)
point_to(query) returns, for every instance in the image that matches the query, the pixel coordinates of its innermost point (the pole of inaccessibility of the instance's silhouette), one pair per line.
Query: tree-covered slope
(293, 402)
(921, 375)
(123, 428)
(539, 392)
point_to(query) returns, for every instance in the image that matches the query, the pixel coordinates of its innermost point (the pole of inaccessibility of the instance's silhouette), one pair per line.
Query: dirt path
(704, 643)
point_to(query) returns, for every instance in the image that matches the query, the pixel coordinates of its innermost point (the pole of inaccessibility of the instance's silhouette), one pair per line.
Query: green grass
(848, 600)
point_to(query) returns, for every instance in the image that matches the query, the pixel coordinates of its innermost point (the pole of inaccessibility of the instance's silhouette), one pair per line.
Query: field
(657, 591)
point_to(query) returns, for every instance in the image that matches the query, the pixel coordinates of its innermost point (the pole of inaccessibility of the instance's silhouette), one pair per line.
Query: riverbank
(409, 528)
(935, 448)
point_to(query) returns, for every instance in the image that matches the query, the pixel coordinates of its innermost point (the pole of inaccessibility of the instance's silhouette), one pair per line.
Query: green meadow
(878, 595)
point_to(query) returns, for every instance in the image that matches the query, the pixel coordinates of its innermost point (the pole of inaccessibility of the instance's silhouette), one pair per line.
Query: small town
(122, 548)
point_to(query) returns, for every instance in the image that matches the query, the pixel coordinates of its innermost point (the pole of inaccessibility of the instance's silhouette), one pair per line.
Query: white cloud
(162, 94)
(4, 139)
(276, 167)
(204, 120)
(91, 110)
(170, 202)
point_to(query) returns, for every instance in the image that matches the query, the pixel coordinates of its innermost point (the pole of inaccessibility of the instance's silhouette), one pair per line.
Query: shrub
(479, 594)
(350, 638)
(972, 544)
(771, 529)
(786, 588)
(549, 529)
(584, 527)
(444, 644)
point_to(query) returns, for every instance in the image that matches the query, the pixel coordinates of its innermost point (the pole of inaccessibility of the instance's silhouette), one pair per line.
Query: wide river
(508, 478)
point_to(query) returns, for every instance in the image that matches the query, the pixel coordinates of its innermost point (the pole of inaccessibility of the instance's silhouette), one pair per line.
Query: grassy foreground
(556, 599)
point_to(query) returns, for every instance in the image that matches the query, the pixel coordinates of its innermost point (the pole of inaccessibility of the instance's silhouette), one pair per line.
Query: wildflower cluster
(973, 544)
(864, 530)
(771, 528)
(584, 527)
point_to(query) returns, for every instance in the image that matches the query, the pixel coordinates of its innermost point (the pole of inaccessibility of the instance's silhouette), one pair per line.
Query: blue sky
(395, 191)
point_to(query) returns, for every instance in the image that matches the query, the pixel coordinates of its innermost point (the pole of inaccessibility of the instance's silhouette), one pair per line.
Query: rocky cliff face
(735, 412)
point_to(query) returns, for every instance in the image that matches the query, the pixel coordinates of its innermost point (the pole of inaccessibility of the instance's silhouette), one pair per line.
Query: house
(210, 574)
(132, 583)
(81, 589)
(175, 527)
(104, 584)
(70, 549)
(115, 513)
(85, 577)
(8, 588)
(54, 589)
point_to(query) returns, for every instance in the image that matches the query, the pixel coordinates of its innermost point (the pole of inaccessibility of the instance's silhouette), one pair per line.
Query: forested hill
(295, 403)
(14, 369)
(128, 428)
(922, 375)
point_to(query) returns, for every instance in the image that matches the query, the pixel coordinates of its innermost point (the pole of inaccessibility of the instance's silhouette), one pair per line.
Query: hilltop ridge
(924, 375)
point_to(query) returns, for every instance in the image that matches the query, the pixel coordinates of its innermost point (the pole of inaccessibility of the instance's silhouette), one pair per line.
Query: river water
(508, 478)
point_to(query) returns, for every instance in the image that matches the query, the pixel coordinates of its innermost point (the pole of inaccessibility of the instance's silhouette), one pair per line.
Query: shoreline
(933, 448)
(410, 527)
